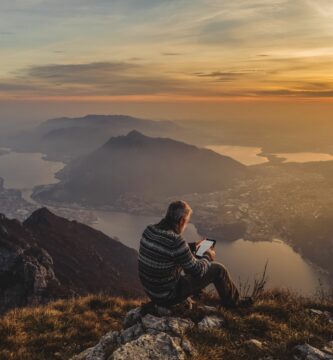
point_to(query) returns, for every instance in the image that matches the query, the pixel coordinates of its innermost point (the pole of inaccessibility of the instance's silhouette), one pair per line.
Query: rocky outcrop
(148, 336)
(85, 260)
(26, 270)
(48, 257)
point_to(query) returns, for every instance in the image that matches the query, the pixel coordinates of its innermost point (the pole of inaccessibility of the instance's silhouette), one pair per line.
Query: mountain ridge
(141, 165)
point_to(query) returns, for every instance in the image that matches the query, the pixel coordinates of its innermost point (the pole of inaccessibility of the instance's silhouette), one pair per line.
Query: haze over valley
(109, 165)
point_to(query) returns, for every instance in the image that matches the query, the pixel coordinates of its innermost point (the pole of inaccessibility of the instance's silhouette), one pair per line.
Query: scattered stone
(161, 346)
(254, 344)
(316, 311)
(308, 352)
(329, 348)
(211, 322)
(327, 314)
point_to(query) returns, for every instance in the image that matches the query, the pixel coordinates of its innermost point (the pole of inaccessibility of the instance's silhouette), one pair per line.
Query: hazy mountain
(65, 138)
(142, 165)
(48, 257)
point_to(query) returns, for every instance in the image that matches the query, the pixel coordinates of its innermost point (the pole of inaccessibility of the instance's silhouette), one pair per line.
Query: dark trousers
(218, 275)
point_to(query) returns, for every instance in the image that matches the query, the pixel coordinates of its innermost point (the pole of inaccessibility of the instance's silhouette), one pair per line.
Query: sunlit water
(247, 155)
(24, 171)
(304, 157)
(244, 259)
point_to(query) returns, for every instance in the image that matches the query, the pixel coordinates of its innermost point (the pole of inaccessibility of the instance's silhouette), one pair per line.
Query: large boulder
(147, 336)
(26, 270)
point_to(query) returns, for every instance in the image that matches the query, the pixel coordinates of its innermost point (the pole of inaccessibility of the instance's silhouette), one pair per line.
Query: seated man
(164, 254)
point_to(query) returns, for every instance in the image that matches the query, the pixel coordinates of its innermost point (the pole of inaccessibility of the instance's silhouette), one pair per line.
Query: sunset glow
(166, 50)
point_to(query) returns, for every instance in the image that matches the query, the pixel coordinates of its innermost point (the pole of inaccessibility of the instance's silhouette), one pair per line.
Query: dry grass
(60, 329)
(63, 328)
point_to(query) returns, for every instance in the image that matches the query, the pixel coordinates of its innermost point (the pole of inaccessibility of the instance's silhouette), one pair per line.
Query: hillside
(270, 330)
(48, 257)
(144, 166)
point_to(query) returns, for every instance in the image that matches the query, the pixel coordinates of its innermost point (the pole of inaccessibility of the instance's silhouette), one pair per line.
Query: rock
(162, 311)
(210, 322)
(132, 317)
(102, 350)
(316, 311)
(254, 344)
(155, 347)
(308, 352)
(326, 314)
(26, 270)
(131, 333)
(188, 348)
(176, 326)
(144, 337)
(329, 348)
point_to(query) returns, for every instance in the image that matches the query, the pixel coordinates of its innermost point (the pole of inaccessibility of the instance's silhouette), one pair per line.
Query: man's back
(162, 256)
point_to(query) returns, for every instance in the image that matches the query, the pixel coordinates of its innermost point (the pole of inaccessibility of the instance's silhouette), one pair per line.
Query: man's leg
(218, 275)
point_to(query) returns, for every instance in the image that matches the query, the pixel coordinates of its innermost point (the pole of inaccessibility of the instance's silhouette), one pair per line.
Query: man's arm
(190, 264)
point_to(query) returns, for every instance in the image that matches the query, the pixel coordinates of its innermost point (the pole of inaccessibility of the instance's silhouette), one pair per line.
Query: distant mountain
(141, 165)
(48, 257)
(65, 138)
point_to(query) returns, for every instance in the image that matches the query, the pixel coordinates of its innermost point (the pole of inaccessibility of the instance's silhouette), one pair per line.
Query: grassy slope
(64, 328)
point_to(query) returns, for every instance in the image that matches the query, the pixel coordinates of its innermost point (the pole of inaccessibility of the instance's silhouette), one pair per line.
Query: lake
(245, 259)
(304, 157)
(249, 155)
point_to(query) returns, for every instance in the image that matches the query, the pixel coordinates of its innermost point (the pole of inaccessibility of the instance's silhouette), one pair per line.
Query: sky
(166, 58)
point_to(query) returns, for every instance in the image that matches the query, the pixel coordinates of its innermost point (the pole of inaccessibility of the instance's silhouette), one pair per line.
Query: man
(164, 254)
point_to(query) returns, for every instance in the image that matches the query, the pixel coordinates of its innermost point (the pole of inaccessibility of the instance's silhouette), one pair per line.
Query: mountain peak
(135, 134)
(41, 215)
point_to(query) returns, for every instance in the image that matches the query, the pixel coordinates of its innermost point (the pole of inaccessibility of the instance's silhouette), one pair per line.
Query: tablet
(204, 246)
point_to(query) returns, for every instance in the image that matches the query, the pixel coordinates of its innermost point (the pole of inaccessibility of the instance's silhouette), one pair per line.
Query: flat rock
(154, 347)
(211, 322)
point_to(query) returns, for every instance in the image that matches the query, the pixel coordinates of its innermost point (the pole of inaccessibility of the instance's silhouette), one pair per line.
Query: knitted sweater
(163, 255)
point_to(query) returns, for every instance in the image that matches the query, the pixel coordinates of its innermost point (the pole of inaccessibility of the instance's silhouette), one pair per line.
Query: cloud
(97, 78)
(295, 93)
(171, 54)
(221, 76)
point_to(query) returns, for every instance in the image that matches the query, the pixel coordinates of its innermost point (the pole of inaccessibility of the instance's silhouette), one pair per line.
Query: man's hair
(177, 210)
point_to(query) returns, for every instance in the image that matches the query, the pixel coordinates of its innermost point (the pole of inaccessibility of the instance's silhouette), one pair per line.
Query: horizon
(181, 60)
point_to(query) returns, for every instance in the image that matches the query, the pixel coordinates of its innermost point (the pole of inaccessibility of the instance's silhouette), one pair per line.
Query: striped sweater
(163, 255)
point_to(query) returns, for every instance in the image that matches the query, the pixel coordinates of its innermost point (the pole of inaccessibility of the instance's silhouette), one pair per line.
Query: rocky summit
(162, 336)
(49, 257)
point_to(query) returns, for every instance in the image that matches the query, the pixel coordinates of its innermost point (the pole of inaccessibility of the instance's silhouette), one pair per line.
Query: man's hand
(211, 253)
(197, 244)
